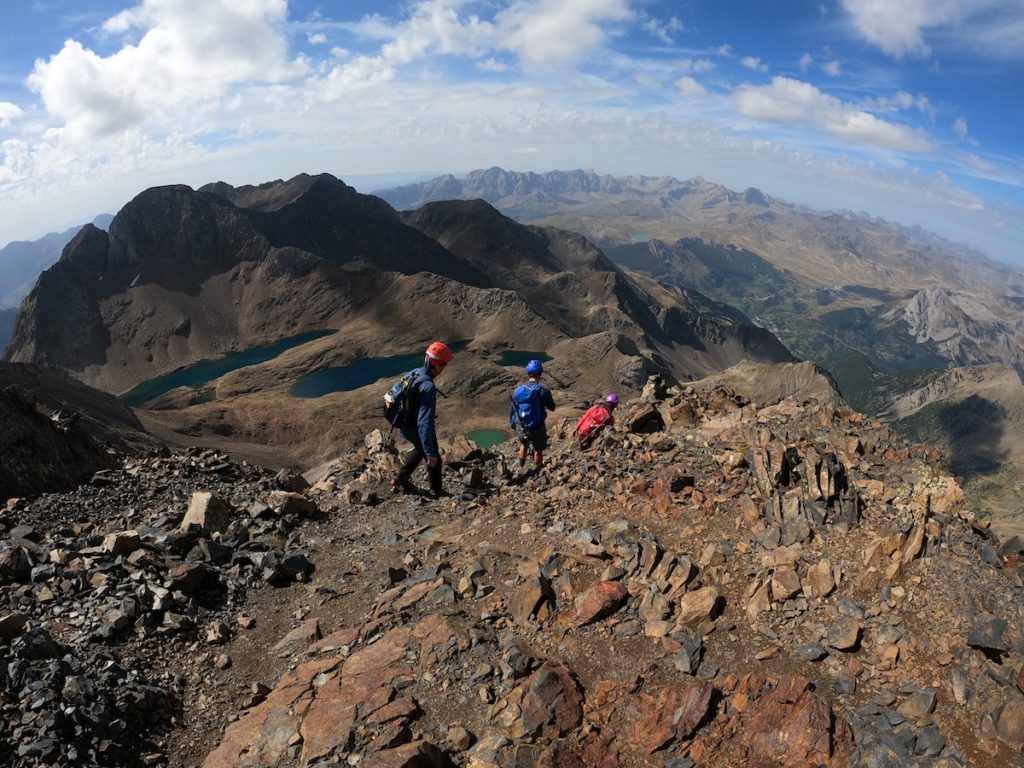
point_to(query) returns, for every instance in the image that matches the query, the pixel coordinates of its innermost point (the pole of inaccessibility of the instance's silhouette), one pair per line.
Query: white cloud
(794, 102)
(541, 33)
(805, 62)
(979, 163)
(960, 129)
(691, 88)
(8, 112)
(694, 65)
(491, 64)
(545, 33)
(754, 63)
(725, 51)
(993, 28)
(317, 38)
(898, 102)
(187, 58)
(832, 68)
(665, 31)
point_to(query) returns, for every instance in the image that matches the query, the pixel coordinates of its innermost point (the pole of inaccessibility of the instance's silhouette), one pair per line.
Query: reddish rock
(672, 716)
(318, 704)
(418, 754)
(785, 724)
(1010, 722)
(188, 577)
(599, 601)
(549, 703)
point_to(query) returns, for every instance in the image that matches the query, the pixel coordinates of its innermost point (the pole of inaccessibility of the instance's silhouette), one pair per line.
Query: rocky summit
(717, 581)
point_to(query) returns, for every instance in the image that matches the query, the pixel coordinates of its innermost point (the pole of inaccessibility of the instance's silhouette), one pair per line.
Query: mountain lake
(488, 438)
(205, 371)
(366, 370)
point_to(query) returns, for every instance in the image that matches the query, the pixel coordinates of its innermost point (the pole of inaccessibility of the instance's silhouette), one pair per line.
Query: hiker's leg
(409, 464)
(434, 473)
(540, 442)
(522, 437)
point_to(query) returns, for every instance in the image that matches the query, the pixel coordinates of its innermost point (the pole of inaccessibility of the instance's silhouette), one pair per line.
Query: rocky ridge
(715, 571)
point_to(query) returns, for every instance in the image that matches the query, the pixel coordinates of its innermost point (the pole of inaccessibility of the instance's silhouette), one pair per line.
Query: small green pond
(205, 371)
(366, 370)
(518, 358)
(488, 438)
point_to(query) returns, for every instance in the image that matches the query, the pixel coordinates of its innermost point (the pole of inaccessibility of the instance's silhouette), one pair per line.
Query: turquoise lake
(488, 438)
(517, 358)
(205, 371)
(366, 370)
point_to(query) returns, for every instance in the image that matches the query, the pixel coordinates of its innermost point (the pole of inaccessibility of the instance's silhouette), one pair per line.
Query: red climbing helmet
(439, 352)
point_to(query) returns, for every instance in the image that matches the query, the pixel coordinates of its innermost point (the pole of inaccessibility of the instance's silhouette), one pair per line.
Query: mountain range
(188, 275)
(890, 311)
(621, 277)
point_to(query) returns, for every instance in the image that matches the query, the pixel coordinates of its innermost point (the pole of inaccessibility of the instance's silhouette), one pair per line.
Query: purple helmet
(612, 399)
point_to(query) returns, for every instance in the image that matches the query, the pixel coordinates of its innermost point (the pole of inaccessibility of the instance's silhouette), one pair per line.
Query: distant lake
(205, 371)
(488, 438)
(514, 357)
(366, 370)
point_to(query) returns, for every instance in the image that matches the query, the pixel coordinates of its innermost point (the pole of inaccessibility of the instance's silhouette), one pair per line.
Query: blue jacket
(546, 400)
(425, 404)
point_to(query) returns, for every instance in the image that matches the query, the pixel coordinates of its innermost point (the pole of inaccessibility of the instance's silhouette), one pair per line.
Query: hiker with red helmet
(528, 413)
(418, 429)
(596, 419)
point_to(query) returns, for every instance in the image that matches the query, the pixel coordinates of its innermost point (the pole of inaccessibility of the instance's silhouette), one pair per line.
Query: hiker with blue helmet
(528, 412)
(418, 428)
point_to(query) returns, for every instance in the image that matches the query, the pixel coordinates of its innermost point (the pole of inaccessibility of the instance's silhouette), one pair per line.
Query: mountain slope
(55, 431)
(185, 275)
(22, 261)
(7, 317)
(832, 286)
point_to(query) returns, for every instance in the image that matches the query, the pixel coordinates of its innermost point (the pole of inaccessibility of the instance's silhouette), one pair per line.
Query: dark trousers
(413, 459)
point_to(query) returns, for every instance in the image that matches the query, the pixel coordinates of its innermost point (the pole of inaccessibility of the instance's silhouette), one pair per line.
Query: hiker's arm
(548, 400)
(511, 415)
(425, 419)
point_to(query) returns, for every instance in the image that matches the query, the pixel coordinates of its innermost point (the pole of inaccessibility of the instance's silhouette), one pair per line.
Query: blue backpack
(398, 401)
(528, 406)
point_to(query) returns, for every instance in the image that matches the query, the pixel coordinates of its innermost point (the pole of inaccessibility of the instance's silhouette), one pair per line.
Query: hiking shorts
(537, 437)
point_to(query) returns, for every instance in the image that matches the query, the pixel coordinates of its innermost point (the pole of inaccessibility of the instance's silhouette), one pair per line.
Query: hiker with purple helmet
(596, 419)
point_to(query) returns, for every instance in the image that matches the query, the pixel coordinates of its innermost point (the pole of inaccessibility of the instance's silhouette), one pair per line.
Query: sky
(910, 110)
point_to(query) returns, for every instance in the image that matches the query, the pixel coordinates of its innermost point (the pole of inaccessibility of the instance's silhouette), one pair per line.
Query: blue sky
(911, 110)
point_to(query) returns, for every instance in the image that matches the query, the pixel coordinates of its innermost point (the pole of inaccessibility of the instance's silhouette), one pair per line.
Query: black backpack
(399, 408)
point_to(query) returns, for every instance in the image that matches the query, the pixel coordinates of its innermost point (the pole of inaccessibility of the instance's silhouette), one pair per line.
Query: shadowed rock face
(174, 253)
(564, 277)
(55, 431)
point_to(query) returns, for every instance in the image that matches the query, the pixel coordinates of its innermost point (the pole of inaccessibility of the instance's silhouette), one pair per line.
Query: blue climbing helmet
(534, 368)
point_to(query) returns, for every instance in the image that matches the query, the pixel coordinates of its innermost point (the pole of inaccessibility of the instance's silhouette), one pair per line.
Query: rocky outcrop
(56, 432)
(730, 583)
(7, 317)
(24, 260)
(185, 275)
(964, 328)
(740, 585)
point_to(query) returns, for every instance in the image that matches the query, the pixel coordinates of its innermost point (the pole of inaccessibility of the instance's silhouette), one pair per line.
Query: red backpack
(592, 422)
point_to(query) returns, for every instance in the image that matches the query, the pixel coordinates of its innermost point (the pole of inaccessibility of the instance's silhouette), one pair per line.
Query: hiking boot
(402, 485)
(439, 493)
